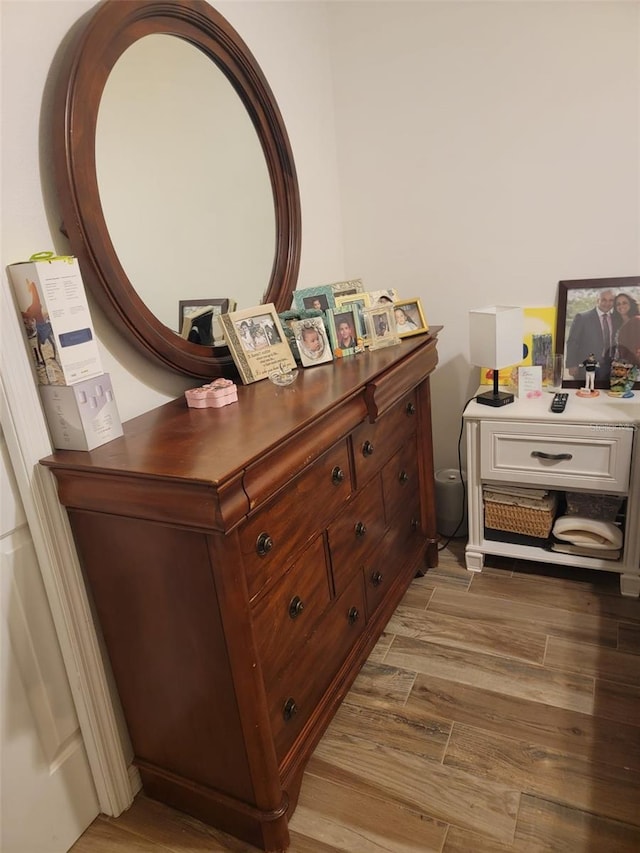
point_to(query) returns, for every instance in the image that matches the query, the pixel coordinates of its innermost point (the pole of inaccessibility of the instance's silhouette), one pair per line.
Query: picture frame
(359, 301)
(287, 318)
(409, 317)
(381, 326)
(346, 288)
(257, 342)
(578, 328)
(317, 298)
(389, 296)
(312, 341)
(343, 325)
(194, 311)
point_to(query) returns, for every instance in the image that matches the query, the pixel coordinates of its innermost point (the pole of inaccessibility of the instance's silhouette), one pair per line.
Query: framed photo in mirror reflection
(196, 319)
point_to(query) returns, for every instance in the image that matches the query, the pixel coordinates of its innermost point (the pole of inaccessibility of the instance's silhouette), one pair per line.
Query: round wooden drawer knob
(264, 544)
(296, 606)
(290, 709)
(337, 476)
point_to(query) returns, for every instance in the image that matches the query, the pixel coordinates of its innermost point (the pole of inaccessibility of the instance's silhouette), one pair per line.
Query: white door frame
(28, 441)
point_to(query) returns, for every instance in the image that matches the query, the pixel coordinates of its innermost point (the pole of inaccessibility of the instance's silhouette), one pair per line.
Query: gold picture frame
(409, 317)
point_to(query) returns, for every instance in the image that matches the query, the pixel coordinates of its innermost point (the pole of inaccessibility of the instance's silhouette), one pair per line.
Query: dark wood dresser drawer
(284, 620)
(400, 480)
(374, 443)
(295, 695)
(356, 532)
(277, 531)
(399, 547)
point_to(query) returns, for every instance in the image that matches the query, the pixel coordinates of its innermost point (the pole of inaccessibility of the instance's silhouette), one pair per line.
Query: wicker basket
(527, 520)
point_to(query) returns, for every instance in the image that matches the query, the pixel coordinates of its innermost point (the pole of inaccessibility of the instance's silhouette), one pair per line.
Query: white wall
(289, 41)
(487, 150)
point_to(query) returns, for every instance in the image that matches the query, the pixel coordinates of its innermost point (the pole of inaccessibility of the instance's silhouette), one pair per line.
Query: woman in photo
(245, 335)
(628, 334)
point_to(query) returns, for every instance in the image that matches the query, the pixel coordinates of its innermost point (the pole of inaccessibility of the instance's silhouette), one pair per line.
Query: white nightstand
(592, 447)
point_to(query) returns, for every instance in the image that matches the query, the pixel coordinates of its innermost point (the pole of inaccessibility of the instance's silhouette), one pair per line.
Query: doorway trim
(28, 441)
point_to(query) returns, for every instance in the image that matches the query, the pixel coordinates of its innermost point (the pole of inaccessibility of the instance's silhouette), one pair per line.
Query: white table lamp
(495, 341)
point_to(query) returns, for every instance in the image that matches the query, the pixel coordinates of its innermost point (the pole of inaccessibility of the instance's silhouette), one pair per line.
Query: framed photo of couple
(257, 342)
(598, 318)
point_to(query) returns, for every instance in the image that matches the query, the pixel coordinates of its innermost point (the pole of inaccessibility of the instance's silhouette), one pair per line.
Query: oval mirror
(242, 230)
(147, 128)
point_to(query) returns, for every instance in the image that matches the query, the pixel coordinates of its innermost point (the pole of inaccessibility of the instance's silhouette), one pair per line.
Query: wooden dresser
(244, 561)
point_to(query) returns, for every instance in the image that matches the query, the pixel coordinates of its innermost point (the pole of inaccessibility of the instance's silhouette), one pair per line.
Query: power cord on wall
(464, 487)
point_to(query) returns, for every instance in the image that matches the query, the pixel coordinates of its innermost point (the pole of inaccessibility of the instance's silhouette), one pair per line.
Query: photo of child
(311, 337)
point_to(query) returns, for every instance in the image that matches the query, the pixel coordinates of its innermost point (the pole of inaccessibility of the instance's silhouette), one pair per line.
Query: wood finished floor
(499, 712)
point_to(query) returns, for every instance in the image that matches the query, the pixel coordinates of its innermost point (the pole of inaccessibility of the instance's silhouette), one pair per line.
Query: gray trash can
(451, 504)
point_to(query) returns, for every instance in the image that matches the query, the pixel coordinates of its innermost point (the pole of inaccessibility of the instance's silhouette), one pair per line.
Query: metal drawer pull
(376, 578)
(353, 615)
(337, 476)
(415, 524)
(411, 409)
(360, 528)
(296, 606)
(264, 543)
(538, 454)
(403, 477)
(367, 448)
(290, 709)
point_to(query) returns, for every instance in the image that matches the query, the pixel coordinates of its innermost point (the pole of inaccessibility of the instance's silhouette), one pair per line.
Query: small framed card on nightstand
(529, 382)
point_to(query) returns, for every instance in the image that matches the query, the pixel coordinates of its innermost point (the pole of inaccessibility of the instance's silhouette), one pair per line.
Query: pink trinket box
(215, 394)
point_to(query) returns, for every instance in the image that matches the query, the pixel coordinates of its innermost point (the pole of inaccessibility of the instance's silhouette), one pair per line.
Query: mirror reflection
(185, 172)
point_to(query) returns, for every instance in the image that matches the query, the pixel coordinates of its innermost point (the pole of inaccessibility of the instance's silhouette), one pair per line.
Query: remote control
(558, 403)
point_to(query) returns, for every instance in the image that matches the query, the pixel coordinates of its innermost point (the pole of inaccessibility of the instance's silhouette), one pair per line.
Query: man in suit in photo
(593, 331)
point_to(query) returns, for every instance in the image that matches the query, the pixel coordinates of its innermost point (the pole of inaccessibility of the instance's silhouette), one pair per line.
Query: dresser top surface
(216, 444)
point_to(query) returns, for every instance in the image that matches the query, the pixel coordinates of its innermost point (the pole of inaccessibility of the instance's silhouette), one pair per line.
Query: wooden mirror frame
(109, 31)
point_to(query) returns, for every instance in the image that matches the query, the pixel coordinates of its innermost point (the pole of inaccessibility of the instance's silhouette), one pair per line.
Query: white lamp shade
(496, 336)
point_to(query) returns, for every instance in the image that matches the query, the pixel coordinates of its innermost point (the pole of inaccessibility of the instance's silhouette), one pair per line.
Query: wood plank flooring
(499, 712)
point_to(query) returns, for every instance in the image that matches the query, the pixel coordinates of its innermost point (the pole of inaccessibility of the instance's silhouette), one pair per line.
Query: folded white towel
(588, 531)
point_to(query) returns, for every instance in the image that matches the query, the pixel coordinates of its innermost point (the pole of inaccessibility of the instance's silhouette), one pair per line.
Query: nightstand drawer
(569, 456)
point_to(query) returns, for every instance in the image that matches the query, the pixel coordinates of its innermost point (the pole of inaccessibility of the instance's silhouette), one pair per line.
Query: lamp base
(495, 398)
